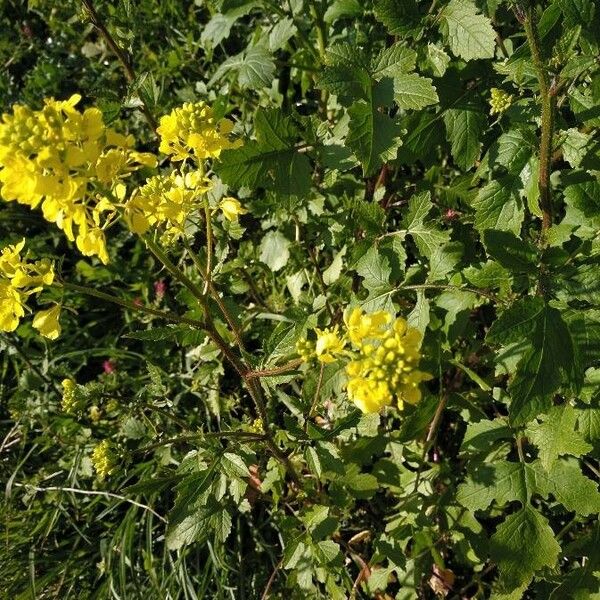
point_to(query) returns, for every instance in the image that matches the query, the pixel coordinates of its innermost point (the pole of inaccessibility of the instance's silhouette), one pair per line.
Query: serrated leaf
(393, 61)
(374, 268)
(510, 251)
(513, 150)
(411, 91)
(522, 545)
(256, 68)
(398, 17)
(501, 482)
(556, 436)
(516, 322)
(464, 130)
(427, 235)
(569, 486)
(498, 206)
(234, 465)
(272, 161)
(469, 34)
(373, 137)
(480, 436)
(548, 362)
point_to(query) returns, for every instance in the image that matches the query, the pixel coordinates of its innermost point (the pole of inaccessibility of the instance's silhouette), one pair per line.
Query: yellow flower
(192, 131)
(11, 306)
(231, 208)
(166, 201)
(362, 326)
(104, 459)
(47, 322)
(19, 280)
(66, 160)
(305, 349)
(328, 344)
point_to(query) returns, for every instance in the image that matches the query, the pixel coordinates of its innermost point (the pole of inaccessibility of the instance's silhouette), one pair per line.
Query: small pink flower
(109, 366)
(451, 214)
(160, 287)
(137, 301)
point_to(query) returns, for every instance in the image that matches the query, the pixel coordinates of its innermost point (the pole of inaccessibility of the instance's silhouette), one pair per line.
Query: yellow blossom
(47, 322)
(12, 304)
(362, 326)
(166, 201)
(68, 162)
(69, 402)
(20, 279)
(329, 345)
(231, 208)
(193, 131)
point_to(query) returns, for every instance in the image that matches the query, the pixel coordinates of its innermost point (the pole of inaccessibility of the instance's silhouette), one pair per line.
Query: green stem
(547, 124)
(169, 317)
(252, 384)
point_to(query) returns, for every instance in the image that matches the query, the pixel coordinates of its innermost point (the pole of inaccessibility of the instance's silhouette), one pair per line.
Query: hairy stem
(547, 99)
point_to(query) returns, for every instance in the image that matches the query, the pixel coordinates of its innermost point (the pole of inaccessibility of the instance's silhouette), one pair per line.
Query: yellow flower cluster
(104, 459)
(69, 162)
(166, 200)
(192, 131)
(384, 357)
(500, 101)
(20, 279)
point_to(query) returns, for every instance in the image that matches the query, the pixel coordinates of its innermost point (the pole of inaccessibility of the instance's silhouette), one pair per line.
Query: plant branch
(121, 55)
(169, 317)
(90, 493)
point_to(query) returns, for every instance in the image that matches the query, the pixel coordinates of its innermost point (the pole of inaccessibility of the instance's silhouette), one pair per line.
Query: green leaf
(569, 486)
(577, 12)
(547, 363)
(272, 161)
(393, 61)
(502, 482)
(427, 235)
(256, 68)
(464, 130)
(556, 436)
(510, 251)
(437, 60)
(498, 206)
(234, 465)
(517, 322)
(469, 34)
(513, 150)
(522, 545)
(373, 136)
(584, 196)
(274, 250)
(346, 73)
(481, 436)
(398, 17)
(411, 91)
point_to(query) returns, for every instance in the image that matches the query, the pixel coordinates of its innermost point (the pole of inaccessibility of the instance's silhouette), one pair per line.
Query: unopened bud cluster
(500, 101)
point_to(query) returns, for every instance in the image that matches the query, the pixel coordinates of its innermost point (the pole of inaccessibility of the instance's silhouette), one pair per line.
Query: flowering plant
(313, 299)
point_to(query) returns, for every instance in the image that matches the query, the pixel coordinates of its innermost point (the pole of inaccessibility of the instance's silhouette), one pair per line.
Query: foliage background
(374, 175)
